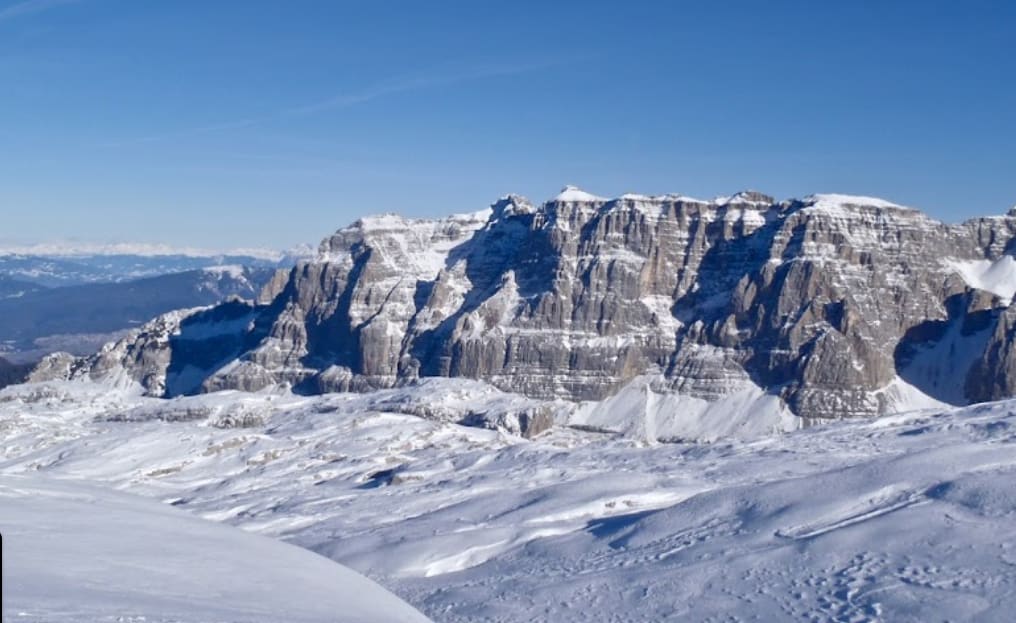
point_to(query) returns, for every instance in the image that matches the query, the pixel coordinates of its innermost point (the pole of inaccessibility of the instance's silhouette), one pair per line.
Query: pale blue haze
(221, 124)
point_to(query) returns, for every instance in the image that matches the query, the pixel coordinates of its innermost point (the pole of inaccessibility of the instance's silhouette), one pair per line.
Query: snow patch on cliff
(997, 277)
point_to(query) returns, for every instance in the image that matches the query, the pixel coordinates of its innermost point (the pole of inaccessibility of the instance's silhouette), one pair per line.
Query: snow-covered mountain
(901, 518)
(81, 318)
(515, 372)
(62, 264)
(76, 297)
(828, 306)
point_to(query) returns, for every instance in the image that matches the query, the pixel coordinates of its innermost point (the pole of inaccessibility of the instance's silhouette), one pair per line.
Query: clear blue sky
(216, 123)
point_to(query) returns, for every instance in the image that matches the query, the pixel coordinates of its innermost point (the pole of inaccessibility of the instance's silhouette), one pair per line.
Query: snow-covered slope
(997, 277)
(77, 553)
(644, 412)
(903, 518)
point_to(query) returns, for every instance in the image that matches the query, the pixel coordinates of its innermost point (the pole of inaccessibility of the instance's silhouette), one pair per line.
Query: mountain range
(75, 298)
(63, 264)
(823, 307)
(81, 318)
(469, 411)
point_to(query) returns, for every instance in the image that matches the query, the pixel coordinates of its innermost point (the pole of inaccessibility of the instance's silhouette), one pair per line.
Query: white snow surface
(577, 195)
(997, 277)
(412, 247)
(909, 517)
(80, 552)
(640, 412)
(941, 367)
(234, 271)
(738, 198)
(834, 200)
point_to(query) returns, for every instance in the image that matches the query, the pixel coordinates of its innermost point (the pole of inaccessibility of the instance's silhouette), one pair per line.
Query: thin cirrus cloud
(194, 131)
(434, 78)
(31, 6)
(417, 82)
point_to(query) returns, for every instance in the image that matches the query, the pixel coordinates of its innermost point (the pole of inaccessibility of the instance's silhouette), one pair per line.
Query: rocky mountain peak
(750, 197)
(833, 305)
(574, 194)
(511, 205)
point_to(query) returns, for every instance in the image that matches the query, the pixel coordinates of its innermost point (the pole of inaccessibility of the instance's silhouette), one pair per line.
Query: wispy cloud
(433, 78)
(29, 7)
(195, 131)
(430, 79)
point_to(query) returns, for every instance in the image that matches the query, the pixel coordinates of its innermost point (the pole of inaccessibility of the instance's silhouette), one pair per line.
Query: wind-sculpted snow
(821, 304)
(77, 553)
(904, 518)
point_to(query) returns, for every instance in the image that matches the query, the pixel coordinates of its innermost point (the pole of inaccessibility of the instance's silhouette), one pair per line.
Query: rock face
(825, 302)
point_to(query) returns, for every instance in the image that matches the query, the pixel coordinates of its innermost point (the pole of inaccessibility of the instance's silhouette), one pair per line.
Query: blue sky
(214, 123)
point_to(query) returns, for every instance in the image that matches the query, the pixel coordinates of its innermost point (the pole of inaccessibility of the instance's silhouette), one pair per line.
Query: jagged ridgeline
(836, 305)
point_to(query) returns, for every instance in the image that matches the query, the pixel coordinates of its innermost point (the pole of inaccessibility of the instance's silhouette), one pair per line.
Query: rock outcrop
(824, 303)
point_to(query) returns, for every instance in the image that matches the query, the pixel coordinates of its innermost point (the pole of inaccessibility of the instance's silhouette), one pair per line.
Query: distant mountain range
(54, 265)
(14, 288)
(74, 298)
(80, 318)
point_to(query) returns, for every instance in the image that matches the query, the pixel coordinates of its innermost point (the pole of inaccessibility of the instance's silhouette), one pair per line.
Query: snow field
(904, 518)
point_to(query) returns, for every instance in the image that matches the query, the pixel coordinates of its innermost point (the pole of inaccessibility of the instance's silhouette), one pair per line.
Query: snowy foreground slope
(909, 517)
(74, 552)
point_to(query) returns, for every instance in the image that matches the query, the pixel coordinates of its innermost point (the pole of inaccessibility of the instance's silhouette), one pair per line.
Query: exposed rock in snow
(746, 197)
(817, 303)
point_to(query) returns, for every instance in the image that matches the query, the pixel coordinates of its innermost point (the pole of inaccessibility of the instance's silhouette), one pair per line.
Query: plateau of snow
(834, 200)
(576, 194)
(908, 517)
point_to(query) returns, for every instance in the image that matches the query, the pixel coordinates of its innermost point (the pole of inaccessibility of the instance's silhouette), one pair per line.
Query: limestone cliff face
(993, 374)
(824, 302)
